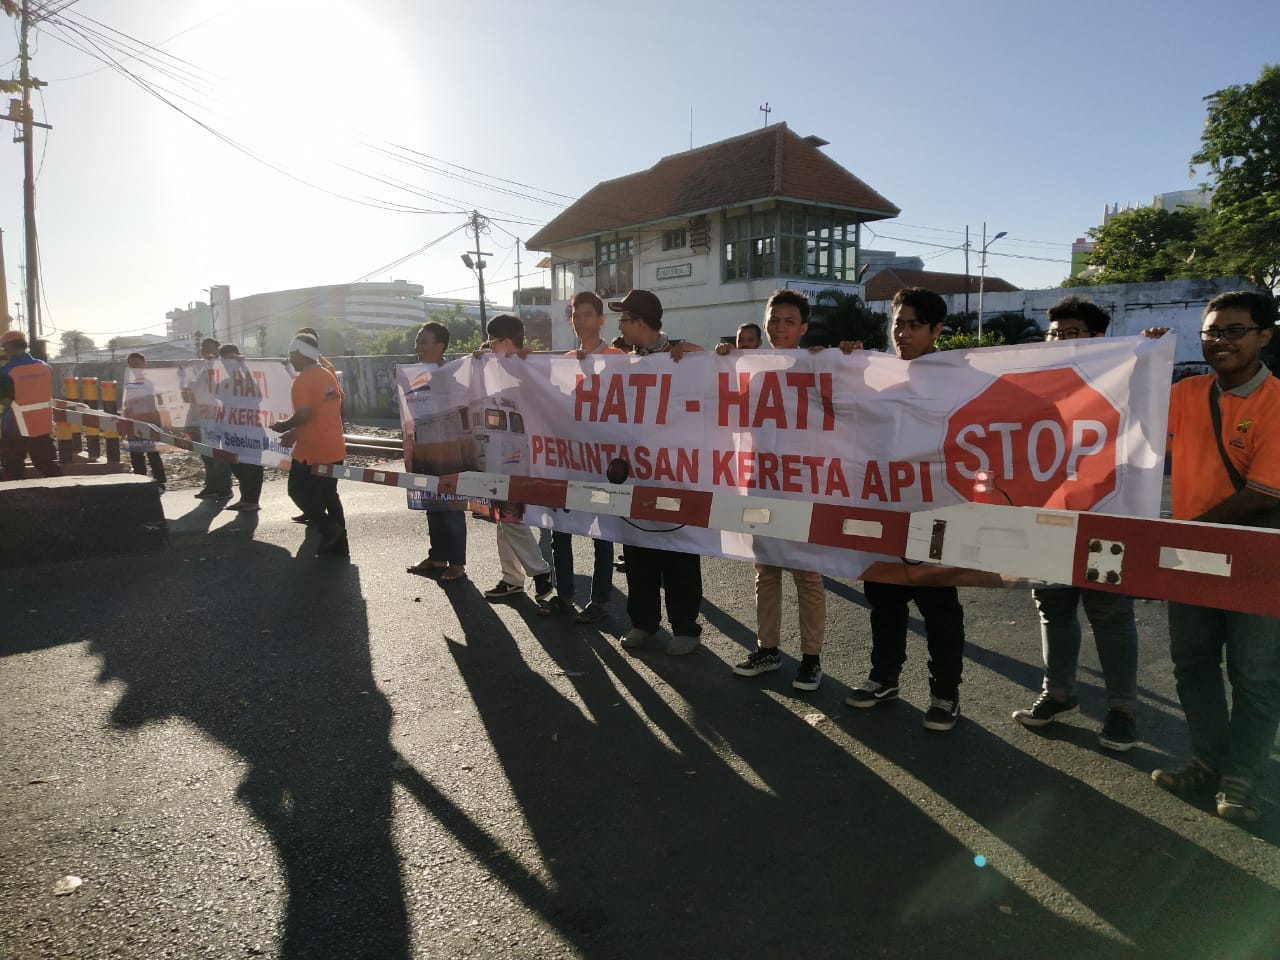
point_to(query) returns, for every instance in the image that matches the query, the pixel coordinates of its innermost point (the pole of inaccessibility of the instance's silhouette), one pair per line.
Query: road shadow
(681, 814)
(1167, 895)
(268, 655)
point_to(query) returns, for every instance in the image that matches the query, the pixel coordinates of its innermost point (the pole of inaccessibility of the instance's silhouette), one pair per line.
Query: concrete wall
(1177, 304)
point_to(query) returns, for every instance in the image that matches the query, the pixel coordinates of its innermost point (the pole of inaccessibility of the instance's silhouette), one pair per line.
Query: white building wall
(1176, 304)
(696, 304)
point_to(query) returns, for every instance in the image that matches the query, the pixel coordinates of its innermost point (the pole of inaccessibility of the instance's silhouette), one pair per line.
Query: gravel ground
(185, 470)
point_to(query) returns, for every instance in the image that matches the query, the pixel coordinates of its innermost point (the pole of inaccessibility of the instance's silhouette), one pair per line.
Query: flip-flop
(458, 573)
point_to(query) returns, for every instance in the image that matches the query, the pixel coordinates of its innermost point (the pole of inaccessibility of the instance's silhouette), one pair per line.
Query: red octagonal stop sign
(1045, 438)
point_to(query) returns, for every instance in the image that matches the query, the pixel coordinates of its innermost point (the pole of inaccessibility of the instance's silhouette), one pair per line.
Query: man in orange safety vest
(26, 411)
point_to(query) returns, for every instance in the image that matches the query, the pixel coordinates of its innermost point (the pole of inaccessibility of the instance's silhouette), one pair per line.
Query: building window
(817, 244)
(674, 239)
(561, 281)
(613, 266)
(750, 246)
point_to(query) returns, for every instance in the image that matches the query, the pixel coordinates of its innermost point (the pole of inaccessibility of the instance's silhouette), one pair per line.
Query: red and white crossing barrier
(136, 429)
(1232, 568)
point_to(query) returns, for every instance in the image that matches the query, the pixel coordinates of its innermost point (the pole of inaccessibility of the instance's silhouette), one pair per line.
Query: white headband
(304, 348)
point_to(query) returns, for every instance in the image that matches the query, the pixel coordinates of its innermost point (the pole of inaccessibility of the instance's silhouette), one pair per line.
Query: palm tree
(839, 315)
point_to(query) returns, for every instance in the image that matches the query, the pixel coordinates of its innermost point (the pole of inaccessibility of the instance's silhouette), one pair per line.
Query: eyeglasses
(1234, 332)
(1070, 333)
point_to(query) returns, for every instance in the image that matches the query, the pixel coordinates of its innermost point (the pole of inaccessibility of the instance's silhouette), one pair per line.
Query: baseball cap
(642, 304)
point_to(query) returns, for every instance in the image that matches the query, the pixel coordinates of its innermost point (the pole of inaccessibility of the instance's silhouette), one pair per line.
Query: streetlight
(982, 270)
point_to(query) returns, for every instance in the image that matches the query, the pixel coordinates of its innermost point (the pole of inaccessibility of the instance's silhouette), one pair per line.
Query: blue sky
(1028, 116)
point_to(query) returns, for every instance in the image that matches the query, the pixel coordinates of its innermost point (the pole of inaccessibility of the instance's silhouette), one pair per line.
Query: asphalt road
(243, 750)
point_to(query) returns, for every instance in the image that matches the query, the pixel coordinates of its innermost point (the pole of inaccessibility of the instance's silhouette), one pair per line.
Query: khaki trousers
(812, 600)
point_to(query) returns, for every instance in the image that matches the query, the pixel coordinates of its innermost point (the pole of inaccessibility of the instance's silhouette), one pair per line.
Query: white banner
(1078, 425)
(234, 402)
(153, 395)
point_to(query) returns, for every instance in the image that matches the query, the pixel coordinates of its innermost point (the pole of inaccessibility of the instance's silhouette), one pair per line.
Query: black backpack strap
(1237, 481)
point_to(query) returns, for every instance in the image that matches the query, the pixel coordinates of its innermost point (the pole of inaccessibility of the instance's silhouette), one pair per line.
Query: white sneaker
(637, 637)
(679, 645)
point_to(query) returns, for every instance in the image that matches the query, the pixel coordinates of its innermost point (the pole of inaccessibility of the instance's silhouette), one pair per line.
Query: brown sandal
(452, 573)
(425, 567)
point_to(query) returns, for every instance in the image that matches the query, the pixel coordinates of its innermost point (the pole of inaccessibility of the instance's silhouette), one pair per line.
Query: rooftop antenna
(766, 110)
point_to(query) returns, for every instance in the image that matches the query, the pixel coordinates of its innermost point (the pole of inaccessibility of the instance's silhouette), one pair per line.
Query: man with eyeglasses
(1224, 438)
(917, 323)
(1115, 632)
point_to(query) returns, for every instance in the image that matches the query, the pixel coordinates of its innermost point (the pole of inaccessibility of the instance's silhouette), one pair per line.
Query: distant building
(263, 323)
(1082, 249)
(1164, 201)
(883, 285)
(153, 346)
(713, 231)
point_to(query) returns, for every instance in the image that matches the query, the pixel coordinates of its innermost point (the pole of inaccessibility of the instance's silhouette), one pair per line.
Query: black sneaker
(759, 661)
(808, 674)
(556, 605)
(503, 590)
(1046, 710)
(1194, 776)
(1237, 801)
(1119, 732)
(942, 714)
(591, 613)
(542, 586)
(871, 693)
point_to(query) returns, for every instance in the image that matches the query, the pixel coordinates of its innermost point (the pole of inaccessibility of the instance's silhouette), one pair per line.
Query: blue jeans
(1114, 633)
(1237, 740)
(601, 574)
(447, 531)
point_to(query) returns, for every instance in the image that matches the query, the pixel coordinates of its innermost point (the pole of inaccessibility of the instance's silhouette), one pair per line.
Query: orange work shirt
(320, 439)
(605, 347)
(1250, 435)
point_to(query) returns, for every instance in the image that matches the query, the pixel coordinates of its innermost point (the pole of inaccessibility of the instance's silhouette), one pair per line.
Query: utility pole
(4, 290)
(967, 280)
(29, 179)
(519, 300)
(475, 227)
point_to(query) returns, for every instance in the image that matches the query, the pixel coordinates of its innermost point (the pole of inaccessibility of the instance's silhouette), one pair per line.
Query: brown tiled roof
(883, 285)
(772, 162)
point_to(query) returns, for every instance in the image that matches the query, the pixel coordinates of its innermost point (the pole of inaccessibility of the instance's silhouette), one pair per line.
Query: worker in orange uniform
(26, 411)
(315, 433)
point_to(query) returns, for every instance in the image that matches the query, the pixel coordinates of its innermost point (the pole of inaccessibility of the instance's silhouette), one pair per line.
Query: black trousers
(944, 630)
(317, 497)
(14, 450)
(651, 571)
(139, 460)
(250, 476)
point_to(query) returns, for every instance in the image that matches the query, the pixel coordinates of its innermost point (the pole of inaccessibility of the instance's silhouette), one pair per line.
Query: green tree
(964, 340)
(74, 343)
(465, 334)
(837, 315)
(1013, 327)
(1240, 145)
(1151, 244)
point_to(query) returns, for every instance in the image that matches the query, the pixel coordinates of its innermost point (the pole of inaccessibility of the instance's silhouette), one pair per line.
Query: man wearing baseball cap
(26, 411)
(649, 571)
